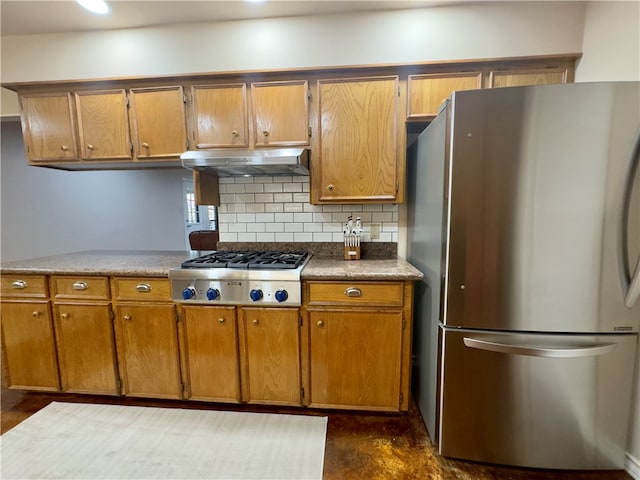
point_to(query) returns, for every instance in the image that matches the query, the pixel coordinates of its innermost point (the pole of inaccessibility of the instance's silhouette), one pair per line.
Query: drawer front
(356, 293)
(142, 289)
(94, 288)
(24, 286)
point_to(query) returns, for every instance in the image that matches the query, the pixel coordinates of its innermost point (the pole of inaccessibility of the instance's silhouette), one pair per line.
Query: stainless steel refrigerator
(524, 216)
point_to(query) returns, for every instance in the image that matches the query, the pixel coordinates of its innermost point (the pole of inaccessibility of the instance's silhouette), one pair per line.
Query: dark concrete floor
(359, 445)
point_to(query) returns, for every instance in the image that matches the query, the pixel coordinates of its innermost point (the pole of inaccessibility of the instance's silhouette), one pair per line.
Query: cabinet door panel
(48, 123)
(211, 351)
(355, 359)
(427, 92)
(357, 140)
(280, 113)
(528, 77)
(158, 122)
(148, 355)
(104, 125)
(271, 356)
(86, 349)
(220, 116)
(29, 346)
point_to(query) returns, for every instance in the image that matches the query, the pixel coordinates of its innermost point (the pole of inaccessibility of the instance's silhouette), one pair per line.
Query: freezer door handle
(630, 280)
(569, 351)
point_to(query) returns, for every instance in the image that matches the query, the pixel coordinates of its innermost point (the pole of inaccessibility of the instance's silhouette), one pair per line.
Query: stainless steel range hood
(229, 162)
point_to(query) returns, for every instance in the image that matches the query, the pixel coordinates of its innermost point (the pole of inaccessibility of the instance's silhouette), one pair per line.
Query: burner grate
(248, 259)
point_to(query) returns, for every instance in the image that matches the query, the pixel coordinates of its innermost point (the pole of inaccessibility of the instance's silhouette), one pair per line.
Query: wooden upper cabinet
(220, 115)
(159, 127)
(427, 92)
(540, 76)
(357, 151)
(103, 124)
(48, 125)
(280, 113)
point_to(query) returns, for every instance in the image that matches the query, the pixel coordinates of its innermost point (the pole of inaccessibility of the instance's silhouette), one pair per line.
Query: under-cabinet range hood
(238, 162)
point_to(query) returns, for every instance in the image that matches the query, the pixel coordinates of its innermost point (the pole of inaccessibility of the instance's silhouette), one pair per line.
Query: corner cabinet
(356, 157)
(359, 337)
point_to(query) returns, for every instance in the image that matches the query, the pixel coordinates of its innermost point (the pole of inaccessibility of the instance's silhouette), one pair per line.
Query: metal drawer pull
(19, 284)
(254, 321)
(80, 286)
(64, 315)
(320, 323)
(353, 292)
(143, 287)
(221, 320)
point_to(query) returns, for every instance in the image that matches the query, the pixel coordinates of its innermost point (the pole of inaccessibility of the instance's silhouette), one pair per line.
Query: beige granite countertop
(397, 268)
(158, 263)
(148, 263)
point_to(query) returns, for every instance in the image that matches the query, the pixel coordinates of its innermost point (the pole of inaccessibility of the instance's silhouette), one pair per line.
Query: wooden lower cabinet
(148, 353)
(210, 349)
(356, 359)
(28, 344)
(270, 355)
(86, 348)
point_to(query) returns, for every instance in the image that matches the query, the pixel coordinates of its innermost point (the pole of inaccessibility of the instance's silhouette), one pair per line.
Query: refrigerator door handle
(537, 351)
(634, 289)
(630, 281)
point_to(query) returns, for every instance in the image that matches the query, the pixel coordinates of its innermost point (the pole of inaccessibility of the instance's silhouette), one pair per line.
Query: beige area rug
(85, 441)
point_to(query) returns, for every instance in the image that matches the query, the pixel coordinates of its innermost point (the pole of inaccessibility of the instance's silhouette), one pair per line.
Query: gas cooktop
(248, 259)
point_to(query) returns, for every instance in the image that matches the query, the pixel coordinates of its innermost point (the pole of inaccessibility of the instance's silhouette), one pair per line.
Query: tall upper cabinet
(357, 149)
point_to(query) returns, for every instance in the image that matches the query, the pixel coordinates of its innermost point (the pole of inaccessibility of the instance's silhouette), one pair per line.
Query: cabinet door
(271, 356)
(220, 116)
(528, 77)
(159, 128)
(147, 346)
(280, 113)
(86, 349)
(29, 346)
(211, 353)
(356, 359)
(427, 92)
(358, 158)
(48, 124)
(104, 125)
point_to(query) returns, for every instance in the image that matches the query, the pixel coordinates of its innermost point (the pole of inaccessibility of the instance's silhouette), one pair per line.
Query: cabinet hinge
(302, 393)
(309, 132)
(398, 90)
(112, 314)
(300, 320)
(119, 385)
(401, 398)
(308, 93)
(126, 102)
(404, 323)
(178, 319)
(184, 99)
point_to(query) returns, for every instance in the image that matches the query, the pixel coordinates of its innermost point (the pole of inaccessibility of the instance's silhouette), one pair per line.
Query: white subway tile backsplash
(277, 209)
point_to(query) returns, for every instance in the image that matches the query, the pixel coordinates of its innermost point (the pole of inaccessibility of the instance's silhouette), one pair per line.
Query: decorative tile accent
(277, 209)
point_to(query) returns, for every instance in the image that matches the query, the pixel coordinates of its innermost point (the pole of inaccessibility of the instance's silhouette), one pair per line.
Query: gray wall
(46, 211)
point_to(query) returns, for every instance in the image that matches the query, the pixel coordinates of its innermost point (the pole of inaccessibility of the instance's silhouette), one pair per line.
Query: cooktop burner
(248, 259)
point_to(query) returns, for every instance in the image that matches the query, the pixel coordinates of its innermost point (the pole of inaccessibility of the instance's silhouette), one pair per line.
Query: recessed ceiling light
(96, 6)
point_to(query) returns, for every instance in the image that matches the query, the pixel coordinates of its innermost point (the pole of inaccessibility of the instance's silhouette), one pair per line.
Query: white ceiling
(26, 17)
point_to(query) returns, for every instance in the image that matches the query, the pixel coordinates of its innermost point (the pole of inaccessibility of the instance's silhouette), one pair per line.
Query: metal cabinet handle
(143, 287)
(265, 133)
(353, 292)
(80, 286)
(145, 144)
(35, 314)
(254, 321)
(126, 318)
(320, 323)
(64, 315)
(19, 284)
(330, 187)
(234, 133)
(91, 147)
(64, 148)
(221, 320)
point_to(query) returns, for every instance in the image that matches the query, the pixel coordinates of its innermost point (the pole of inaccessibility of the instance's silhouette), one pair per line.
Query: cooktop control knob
(281, 295)
(213, 293)
(255, 294)
(188, 293)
